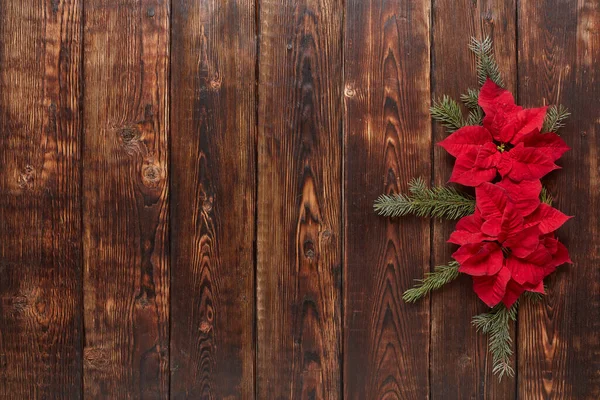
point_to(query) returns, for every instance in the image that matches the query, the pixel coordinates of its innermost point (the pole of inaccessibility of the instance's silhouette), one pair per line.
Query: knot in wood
(26, 177)
(349, 91)
(151, 175)
(128, 135)
(207, 204)
(96, 358)
(205, 327)
(309, 249)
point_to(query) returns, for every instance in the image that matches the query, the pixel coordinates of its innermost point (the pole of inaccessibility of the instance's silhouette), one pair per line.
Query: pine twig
(439, 202)
(486, 64)
(441, 275)
(496, 324)
(447, 112)
(555, 117)
(471, 99)
(546, 196)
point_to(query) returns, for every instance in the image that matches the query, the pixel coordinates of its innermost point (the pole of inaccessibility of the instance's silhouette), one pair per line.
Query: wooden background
(186, 194)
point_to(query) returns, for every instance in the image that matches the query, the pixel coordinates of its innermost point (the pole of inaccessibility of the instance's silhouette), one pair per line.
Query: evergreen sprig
(486, 63)
(471, 99)
(546, 196)
(447, 112)
(555, 118)
(496, 324)
(441, 275)
(438, 201)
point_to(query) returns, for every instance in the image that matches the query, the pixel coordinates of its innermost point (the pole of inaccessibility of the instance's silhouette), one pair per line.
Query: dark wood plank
(559, 54)
(213, 197)
(299, 200)
(40, 200)
(125, 199)
(461, 366)
(388, 139)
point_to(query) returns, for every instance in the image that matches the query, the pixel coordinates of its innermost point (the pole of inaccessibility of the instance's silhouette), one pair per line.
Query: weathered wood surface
(458, 352)
(559, 55)
(299, 234)
(388, 141)
(40, 200)
(125, 196)
(186, 194)
(213, 180)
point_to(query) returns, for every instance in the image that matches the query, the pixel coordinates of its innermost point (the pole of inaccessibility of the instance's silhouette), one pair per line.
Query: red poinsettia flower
(509, 142)
(508, 245)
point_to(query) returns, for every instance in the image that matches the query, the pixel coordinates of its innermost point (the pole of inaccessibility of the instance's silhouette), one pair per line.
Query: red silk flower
(508, 245)
(509, 142)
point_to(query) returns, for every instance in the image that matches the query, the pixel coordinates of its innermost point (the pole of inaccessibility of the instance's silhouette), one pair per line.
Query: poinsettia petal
(488, 156)
(468, 230)
(512, 221)
(513, 291)
(465, 139)
(549, 143)
(523, 243)
(525, 194)
(524, 271)
(541, 256)
(492, 227)
(466, 173)
(491, 200)
(479, 258)
(528, 120)
(547, 218)
(491, 289)
(561, 256)
(527, 163)
(505, 164)
(492, 97)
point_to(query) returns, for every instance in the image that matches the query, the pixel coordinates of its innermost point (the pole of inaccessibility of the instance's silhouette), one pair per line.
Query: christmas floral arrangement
(506, 233)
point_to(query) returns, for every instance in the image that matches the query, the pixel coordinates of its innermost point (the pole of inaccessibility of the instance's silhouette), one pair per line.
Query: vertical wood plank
(559, 54)
(213, 92)
(125, 199)
(388, 139)
(461, 366)
(40, 200)
(299, 200)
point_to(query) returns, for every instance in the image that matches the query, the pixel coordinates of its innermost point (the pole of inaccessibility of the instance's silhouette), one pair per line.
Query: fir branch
(475, 117)
(546, 196)
(447, 112)
(439, 201)
(534, 297)
(471, 99)
(555, 117)
(496, 325)
(441, 275)
(486, 64)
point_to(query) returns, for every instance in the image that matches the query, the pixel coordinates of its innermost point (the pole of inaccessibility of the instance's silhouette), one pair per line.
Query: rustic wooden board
(461, 366)
(213, 198)
(388, 142)
(559, 54)
(40, 207)
(299, 200)
(125, 158)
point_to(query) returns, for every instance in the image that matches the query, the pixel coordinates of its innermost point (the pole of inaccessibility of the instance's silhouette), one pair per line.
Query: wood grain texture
(40, 200)
(388, 142)
(461, 366)
(559, 54)
(213, 197)
(126, 271)
(299, 200)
